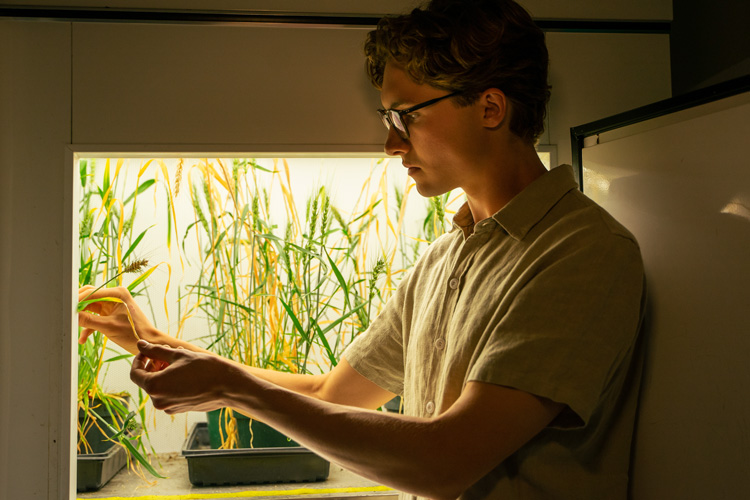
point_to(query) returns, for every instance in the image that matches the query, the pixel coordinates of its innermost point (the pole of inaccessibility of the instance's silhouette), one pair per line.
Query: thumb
(156, 351)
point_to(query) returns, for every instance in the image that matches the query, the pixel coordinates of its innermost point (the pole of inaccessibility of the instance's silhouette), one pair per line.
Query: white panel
(546, 9)
(683, 187)
(178, 84)
(35, 262)
(595, 75)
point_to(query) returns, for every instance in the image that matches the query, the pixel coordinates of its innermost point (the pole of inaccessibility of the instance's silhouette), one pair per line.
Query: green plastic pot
(251, 433)
(100, 441)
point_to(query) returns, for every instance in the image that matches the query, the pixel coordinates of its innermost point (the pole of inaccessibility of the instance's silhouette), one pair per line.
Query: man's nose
(395, 145)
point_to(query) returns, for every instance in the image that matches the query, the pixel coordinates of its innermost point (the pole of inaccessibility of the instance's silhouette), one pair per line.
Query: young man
(513, 338)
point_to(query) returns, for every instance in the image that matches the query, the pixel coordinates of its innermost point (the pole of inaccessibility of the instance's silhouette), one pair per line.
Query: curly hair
(469, 46)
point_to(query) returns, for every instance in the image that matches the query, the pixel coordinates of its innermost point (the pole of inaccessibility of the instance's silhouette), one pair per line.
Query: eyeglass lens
(392, 117)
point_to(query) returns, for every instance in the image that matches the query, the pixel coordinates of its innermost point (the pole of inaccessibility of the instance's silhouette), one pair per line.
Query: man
(512, 340)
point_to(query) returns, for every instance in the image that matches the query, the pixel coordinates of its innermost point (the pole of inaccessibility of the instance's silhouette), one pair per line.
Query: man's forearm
(395, 450)
(436, 457)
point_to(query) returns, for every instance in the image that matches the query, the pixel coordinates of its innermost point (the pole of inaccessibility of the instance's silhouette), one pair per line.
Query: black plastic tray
(96, 469)
(207, 466)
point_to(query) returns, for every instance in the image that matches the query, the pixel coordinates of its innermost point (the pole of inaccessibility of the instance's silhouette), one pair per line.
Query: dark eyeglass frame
(394, 117)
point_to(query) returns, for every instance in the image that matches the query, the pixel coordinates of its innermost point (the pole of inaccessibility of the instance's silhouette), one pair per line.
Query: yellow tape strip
(250, 494)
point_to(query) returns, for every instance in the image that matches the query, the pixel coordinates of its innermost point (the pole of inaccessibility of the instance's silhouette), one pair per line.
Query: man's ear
(496, 108)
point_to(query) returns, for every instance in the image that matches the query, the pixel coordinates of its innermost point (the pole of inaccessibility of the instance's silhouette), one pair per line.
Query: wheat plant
(108, 247)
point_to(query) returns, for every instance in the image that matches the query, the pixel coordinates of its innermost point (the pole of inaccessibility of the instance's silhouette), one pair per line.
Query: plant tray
(96, 469)
(207, 466)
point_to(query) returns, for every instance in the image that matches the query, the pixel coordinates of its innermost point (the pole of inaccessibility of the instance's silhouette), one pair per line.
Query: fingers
(173, 378)
(87, 293)
(157, 352)
(90, 323)
(144, 365)
(83, 294)
(157, 365)
(84, 336)
(140, 361)
(150, 360)
(139, 372)
(87, 322)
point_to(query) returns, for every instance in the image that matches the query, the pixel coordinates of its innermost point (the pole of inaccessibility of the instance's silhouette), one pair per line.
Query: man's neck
(503, 181)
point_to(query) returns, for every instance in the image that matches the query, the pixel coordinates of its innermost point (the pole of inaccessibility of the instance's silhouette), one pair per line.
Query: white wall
(109, 87)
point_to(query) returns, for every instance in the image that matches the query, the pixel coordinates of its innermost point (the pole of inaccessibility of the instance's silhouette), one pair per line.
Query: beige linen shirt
(545, 296)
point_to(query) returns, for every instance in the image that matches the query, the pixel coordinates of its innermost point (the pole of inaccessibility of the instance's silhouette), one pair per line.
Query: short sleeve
(378, 353)
(570, 327)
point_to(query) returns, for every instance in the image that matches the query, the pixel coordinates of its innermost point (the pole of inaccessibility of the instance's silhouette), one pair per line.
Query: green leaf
(141, 459)
(295, 321)
(258, 167)
(82, 304)
(339, 276)
(135, 243)
(143, 187)
(105, 181)
(324, 341)
(342, 318)
(140, 279)
(117, 358)
(125, 423)
(368, 212)
(83, 171)
(169, 222)
(248, 310)
(218, 240)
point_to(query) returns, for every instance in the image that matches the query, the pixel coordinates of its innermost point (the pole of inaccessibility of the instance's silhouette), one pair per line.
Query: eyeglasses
(395, 117)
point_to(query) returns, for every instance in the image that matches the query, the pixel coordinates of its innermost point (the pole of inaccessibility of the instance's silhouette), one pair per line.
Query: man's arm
(439, 457)
(342, 385)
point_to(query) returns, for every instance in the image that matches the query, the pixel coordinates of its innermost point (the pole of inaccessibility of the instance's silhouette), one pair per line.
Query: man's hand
(179, 380)
(112, 319)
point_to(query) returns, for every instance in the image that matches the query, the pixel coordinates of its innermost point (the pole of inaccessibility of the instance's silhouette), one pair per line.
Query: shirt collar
(527, 207)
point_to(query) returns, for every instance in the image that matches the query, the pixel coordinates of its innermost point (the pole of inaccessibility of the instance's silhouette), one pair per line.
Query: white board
(681, 184)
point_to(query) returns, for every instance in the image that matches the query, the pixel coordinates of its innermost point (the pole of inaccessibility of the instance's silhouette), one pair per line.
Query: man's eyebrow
(396, 104)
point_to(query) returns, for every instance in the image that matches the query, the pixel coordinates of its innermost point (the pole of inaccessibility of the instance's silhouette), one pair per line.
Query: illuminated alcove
(367, 196)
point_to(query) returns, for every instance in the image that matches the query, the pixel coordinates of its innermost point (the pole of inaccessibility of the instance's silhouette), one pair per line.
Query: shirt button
(430, 407)
(453, 283)
(440, 344)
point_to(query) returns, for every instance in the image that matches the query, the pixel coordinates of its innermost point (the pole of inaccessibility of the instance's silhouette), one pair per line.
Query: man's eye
(409, 118)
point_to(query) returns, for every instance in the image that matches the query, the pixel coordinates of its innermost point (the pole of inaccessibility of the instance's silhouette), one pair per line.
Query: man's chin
(428, 191)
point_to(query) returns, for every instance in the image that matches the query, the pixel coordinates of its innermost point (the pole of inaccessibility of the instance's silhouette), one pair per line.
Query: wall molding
(74, 14)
